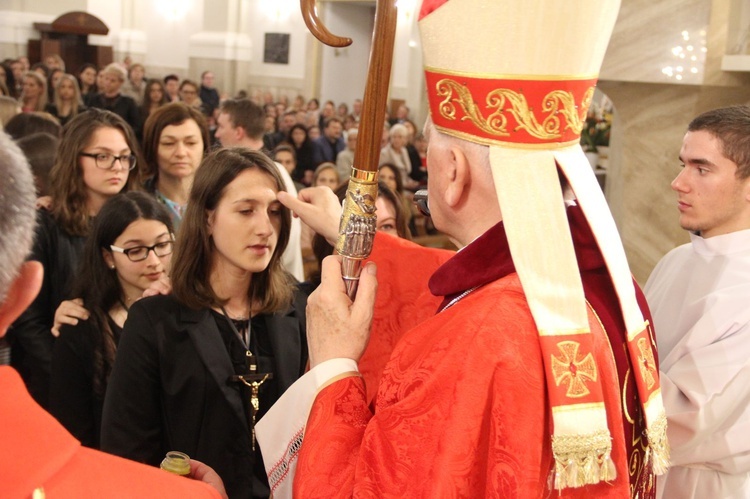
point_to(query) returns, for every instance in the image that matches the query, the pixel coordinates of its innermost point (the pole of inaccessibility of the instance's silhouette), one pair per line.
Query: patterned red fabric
(462, 408)
(37, 452)
(403, 300)
(443, 427)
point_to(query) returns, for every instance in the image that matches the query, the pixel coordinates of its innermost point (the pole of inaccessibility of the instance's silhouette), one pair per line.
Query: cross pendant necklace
(253, 379)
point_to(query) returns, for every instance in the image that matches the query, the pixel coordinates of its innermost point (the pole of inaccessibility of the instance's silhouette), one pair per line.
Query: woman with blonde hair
(9, 107)
(34, 93)
(326, 174)
(95, 161)
(67, 99)
(185, 361)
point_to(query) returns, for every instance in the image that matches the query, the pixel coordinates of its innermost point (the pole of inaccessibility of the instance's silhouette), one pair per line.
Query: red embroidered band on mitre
(491, 110)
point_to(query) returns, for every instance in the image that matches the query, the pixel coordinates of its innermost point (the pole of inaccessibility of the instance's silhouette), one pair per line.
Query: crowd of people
(316, 134)
(153, 298)
(157, 186)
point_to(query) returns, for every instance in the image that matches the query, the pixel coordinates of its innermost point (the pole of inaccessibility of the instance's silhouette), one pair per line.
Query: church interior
(667, 62)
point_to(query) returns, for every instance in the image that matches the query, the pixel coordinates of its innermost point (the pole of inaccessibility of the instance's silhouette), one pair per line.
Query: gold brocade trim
(648, 365)
(508, 76)
(636, 463)
(494, 125)
(658, 445)
(577, 407)
(625, 410)
(655, 394)
(646, 326)
(502, 143)
(564, 332)
(583, 459)
(571, 370)
(555, 103)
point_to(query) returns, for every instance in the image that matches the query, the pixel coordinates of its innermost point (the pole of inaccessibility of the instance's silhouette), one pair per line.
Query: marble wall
(650, 121)
(653, 108)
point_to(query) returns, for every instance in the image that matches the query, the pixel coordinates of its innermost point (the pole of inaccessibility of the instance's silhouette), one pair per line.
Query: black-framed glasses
(420, 199)
(140, 253)
(106, 161)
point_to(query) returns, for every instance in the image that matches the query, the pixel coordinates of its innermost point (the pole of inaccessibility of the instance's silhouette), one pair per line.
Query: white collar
(724, 244)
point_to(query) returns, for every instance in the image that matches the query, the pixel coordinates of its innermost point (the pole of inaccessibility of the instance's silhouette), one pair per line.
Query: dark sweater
(30, 336)
(121, 105)
(73, 400)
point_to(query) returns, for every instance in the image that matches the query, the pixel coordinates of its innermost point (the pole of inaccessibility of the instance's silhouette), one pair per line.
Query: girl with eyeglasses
(95, 161)
(129, 248)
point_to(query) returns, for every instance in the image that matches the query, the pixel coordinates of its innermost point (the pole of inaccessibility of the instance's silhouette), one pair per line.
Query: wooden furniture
(68, 36)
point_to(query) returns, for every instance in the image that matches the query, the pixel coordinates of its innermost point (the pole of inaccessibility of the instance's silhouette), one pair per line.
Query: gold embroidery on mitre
(494, 125)
(555, 104)
(648, 365)
(572, 371)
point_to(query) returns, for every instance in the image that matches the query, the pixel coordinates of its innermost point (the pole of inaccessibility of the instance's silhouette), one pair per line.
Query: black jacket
(169, 389)
(52, 109)
(30, 336)
(73, 400)
(123, 106)
(210, 99)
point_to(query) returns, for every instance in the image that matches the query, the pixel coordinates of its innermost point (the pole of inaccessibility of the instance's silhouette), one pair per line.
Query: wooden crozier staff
(357, 226)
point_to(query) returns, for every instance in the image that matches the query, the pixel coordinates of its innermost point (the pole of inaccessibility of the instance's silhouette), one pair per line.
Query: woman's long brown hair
(270, 290)
(68, 191)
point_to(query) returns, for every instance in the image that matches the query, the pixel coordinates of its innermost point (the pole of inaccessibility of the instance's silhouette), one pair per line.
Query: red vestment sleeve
(461, 412)
(337, 423)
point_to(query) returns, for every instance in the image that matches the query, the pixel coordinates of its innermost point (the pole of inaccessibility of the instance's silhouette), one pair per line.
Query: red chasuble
(462, 408)
(403, 302)
(38, 456)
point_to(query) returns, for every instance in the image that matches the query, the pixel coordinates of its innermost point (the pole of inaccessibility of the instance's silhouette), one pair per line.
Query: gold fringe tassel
(582, 460)
(658, 446)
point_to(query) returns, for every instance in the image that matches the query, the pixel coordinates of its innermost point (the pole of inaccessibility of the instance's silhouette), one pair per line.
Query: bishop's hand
(319, 208)
(336, 326)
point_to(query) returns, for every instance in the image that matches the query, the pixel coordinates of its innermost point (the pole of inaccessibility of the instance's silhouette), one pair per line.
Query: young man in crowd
(331, 143)
(698, 294)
